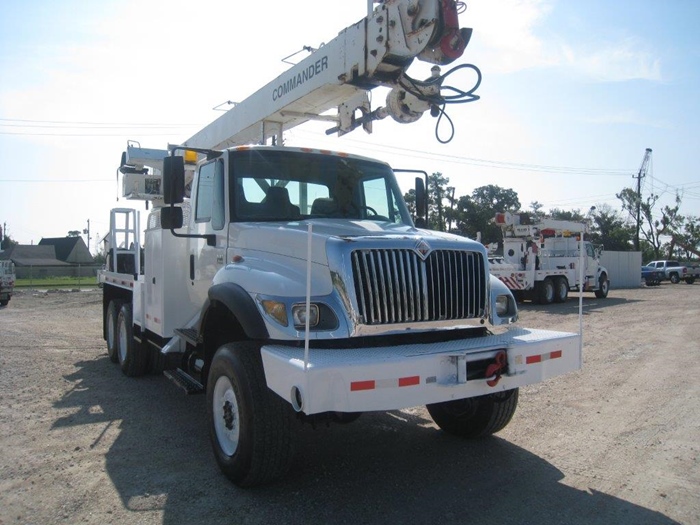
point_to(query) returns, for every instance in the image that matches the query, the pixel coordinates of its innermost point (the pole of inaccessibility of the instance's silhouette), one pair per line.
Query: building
(69, 249)
(62, 256)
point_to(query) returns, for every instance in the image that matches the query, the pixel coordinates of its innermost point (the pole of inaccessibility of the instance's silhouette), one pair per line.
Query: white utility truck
(7, 281)
(543, 261)
(292, 283)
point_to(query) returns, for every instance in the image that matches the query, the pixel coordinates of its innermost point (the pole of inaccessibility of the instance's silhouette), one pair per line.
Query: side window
(210, 195)
(378, 199)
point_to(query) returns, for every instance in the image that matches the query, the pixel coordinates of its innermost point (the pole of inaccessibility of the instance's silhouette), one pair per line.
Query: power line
(76, 123)
(487, 162)
(57, 180)
(94, 135)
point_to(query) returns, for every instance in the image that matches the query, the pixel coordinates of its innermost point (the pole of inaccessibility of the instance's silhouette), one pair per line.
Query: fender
(239, 302)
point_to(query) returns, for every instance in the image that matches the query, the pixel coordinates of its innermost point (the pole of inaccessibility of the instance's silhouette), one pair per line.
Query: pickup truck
(651, 276)
(673, 271)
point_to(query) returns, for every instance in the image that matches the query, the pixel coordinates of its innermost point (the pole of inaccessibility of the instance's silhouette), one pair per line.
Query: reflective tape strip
(373, 384)
(542, 357)
(512, 284)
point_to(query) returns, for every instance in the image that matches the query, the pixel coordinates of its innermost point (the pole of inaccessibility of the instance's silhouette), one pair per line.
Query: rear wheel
(475, 416)
(603, 287)
(561, 290)
(111, 319)
(249, 425)
(545, 291)
(675, 278)
(132, 358)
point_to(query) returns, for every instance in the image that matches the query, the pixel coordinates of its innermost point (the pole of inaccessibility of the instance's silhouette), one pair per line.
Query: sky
(572, 94)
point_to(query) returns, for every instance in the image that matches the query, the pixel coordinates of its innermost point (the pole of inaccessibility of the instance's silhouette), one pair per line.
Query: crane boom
(376, 51)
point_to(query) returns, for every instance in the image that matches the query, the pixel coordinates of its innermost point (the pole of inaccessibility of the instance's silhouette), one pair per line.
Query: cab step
(190, 335)
(185, 381)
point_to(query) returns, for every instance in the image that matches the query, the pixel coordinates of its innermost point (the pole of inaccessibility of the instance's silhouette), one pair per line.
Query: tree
(74, 233)
(685, 244)
(437, 192)
(567, 215)
(537, 213)
(7, 243)
(611, 230)
(654, 230)
(476, 212)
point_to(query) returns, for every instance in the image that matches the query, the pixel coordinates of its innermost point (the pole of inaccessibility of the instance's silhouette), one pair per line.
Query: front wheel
(250, 426)
(690, 280)
(603, 287)
(475, 416)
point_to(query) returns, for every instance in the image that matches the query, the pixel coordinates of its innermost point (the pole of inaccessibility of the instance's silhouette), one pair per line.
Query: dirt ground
(616, 443)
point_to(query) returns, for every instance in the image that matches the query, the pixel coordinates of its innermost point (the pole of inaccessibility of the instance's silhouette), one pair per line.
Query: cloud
(618, 61)
(505, 34)
(629, 116)
(517, 35)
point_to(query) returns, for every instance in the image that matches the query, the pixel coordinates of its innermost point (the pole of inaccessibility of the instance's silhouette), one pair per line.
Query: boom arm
(376, 51)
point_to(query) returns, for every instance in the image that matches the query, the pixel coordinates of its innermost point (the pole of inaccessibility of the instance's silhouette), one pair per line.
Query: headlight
(502, 305)
(299, 315)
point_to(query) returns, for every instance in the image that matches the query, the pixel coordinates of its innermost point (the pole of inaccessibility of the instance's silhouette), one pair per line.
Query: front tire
(603, 287)
(475, 416)
(690, 280)
(249, 425)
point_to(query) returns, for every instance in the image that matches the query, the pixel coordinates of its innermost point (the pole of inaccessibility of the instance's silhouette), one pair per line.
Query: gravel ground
(617, 442)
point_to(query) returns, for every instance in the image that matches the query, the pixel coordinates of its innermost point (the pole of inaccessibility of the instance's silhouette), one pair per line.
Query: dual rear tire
(122, 348)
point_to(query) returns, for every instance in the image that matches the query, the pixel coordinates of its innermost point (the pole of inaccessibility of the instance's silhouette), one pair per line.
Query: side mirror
(174, 181)
(421, 203)
(170, 217)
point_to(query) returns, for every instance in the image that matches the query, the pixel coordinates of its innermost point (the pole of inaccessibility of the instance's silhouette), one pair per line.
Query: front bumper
(395, 377)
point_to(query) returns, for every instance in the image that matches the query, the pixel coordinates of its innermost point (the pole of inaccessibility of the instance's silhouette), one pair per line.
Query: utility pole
(87, 230)
(640, 175)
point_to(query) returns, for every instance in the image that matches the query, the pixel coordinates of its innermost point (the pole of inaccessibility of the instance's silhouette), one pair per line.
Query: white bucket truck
(293, 283)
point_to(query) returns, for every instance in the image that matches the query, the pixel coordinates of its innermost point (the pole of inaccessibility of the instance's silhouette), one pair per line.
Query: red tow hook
(454, 40)
(493, 371)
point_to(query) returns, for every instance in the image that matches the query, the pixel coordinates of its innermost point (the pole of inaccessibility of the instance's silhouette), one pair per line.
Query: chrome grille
(397, 286)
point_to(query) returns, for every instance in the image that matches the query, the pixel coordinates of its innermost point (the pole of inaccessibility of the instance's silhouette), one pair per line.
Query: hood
(291, 238)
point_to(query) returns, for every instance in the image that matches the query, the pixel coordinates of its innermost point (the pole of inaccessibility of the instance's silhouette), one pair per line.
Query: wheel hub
(228, 415)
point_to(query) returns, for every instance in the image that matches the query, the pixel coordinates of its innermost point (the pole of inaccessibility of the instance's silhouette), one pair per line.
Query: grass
(57, 282)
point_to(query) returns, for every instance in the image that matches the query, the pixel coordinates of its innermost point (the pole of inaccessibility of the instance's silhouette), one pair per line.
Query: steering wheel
(369, 209)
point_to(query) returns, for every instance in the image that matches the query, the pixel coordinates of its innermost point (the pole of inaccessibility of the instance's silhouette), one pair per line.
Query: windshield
(273, 185)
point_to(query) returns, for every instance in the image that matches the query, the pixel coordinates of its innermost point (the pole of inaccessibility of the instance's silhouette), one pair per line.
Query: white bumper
(389, 378)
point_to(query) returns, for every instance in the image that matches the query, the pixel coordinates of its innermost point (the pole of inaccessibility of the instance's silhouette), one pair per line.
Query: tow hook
(494, 370)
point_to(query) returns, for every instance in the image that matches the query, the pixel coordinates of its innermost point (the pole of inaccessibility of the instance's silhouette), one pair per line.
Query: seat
(278, 205)
(324, 207)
